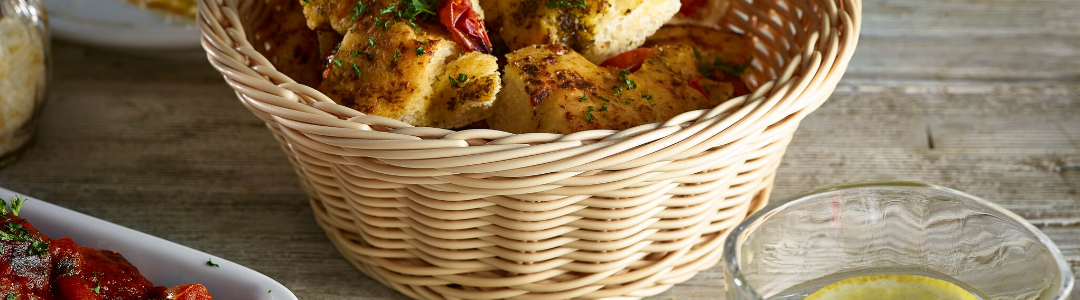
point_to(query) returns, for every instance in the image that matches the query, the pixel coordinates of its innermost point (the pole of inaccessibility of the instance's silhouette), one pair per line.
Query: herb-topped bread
(424, 62)
(596, 29)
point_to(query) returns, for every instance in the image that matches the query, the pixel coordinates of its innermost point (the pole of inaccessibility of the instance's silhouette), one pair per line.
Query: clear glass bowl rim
(731, 256)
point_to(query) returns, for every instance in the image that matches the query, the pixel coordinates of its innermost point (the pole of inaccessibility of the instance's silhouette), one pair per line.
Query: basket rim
(811, 74)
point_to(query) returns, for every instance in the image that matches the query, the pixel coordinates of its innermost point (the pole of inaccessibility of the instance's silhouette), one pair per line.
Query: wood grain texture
(979, 95)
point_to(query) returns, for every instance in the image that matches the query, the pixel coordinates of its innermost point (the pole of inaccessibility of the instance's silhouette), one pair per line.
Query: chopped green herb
(646, 96)
(604, 107)
(461, 78)
(602, 98)
(358, 73)
(397, 54)
(210, 263)
(618, 90)
(16, 232)
(370, 57)
(696, 53)
(16, 205)
(307, 1)
(584, 97)
(97, 289)
(627, 102)
(417, 9)
(371, 42)
(355, 53)
(11, 297)
(420, 49)
(337, 62)
(357, 10)
(351, 30)
(630, 84)
(565, 3)
(336, 47)
(268, 291)
(384, 24)
(588, 114)
(389, 9)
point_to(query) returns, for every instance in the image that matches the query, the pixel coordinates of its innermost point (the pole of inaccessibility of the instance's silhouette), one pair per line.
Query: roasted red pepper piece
(691, 7)
(696, 84)
(465, 25)
(188, 292)
(629, 60)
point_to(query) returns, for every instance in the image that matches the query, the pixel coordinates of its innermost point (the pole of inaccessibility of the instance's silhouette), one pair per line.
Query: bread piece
(596, 29)
(552, 89)
(723, 55)
(405, 73)
(287, 42)
(341, 15)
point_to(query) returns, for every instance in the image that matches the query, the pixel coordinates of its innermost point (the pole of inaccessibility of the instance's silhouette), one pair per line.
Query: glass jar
(24, 73)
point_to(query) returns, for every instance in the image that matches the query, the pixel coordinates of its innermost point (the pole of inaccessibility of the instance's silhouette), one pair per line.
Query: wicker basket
(485, 214)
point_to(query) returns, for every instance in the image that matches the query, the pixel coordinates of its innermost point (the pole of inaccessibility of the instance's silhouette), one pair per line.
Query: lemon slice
(891, 287)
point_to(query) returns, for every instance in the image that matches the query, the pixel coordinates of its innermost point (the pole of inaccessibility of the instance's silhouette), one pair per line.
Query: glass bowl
(794, 247)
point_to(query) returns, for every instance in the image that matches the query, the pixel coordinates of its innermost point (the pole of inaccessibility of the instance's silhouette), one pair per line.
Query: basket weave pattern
(485, 214)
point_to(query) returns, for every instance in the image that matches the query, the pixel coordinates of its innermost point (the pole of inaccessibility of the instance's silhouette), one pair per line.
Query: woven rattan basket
(485, 214)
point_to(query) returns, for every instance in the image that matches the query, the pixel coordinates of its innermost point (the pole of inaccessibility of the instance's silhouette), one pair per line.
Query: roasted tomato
(629, 60)
(465, 25)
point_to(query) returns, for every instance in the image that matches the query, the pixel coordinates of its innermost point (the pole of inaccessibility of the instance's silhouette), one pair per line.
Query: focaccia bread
(553, 89)
(722, 55)
(397, 60)
(596, 29)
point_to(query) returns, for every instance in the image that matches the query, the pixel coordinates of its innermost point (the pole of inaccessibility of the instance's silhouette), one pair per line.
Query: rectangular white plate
(162, 262)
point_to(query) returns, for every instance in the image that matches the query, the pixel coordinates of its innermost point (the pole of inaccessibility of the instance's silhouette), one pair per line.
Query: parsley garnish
(16, 232)
(461, 78)
(420, 49)
(337, 62)
(389, 9)
(618, 90)
(97, 289)
(307, 1)
(604, 107)
(584, 97)
(696, 53)
(646, 96)
(357, 10)
(210, 263)
(630, 84)
(417, 9)
(397, 54)
(11, 297)
(16, 205)
(565, 3)
(602, 98)
(358, 73)
(355, 53)
(588, 114)
(371, 42)
(627, 102)
(733, 70)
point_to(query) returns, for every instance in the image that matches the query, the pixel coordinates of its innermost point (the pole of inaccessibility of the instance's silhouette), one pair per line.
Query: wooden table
(979, 95)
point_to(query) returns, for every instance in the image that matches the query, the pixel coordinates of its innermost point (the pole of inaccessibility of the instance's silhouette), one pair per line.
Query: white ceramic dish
(121, 25)
(163, 262)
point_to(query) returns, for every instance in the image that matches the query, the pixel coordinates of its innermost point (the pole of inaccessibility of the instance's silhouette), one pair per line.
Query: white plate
(121, 25)
(162, 262)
